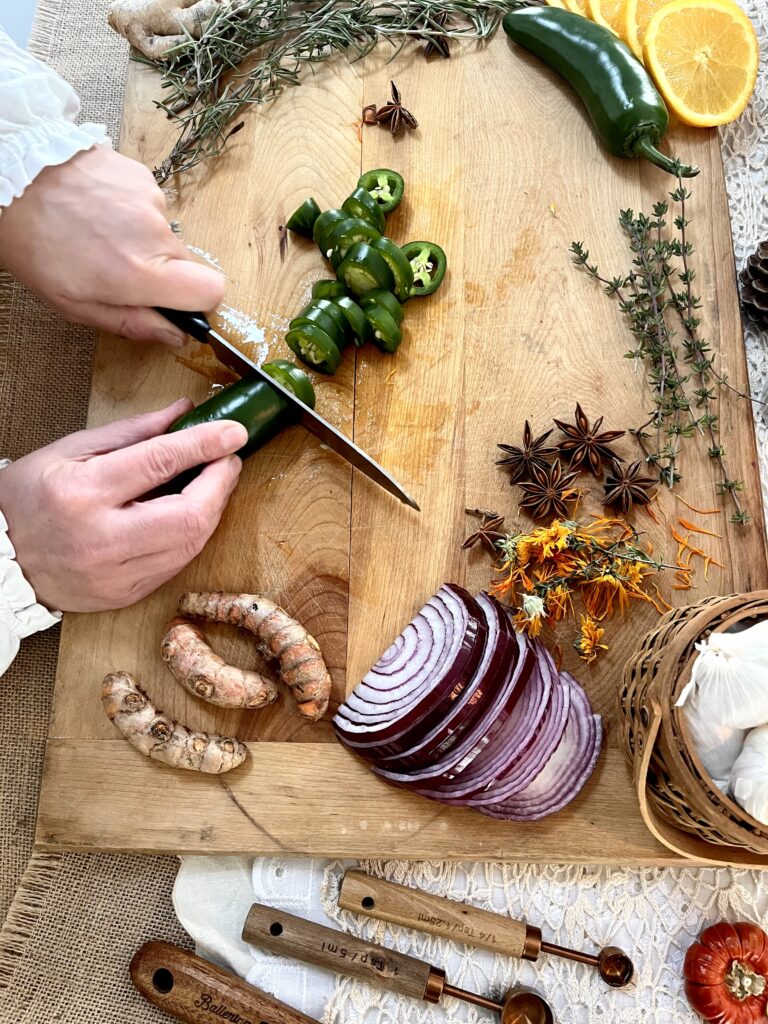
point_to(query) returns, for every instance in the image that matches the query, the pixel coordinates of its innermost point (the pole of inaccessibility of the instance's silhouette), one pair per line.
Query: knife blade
(198, 327)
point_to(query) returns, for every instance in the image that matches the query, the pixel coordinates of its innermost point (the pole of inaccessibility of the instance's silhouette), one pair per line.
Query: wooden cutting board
(504, 172)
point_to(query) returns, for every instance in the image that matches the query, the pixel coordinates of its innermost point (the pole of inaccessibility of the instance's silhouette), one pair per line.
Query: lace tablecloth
(654, 914)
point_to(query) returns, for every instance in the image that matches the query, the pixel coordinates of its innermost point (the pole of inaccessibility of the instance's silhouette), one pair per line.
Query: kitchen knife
(196, 991)
(197, 326)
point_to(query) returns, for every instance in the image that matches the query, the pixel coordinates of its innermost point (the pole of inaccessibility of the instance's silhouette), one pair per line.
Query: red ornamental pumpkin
(726, 974)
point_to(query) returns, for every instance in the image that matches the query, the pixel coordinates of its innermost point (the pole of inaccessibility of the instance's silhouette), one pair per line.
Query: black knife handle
(194, 324)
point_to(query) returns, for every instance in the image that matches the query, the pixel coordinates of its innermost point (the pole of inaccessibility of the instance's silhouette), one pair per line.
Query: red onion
(463, 710)
(444, 668)
(567, 770)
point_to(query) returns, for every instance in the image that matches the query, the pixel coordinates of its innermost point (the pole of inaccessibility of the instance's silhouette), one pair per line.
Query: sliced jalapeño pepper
(398, 264)
(358, 325)
(364, 269)
(323, 225)
(314, 347)
(328, 289)
(262, 410)
(385, 335)
(385, 186)
(302, 221)
(292, 378)
(324, 322)
(362, 204)
(344, 235)
(428, 263)
(387, 301)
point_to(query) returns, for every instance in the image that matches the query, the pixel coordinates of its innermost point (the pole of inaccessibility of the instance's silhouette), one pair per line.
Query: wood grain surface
(504, 172)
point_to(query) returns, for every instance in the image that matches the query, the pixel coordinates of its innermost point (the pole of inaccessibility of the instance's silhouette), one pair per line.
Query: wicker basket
(680, 803)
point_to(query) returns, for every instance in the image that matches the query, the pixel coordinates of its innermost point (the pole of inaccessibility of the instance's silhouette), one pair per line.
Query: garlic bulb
(749, 778)
(729, 678)
(718, 746)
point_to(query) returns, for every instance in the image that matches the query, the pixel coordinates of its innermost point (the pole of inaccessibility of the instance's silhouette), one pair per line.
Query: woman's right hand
(83, 540)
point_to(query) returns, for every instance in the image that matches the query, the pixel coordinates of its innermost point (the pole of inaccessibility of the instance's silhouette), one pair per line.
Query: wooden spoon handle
(198, 992)
(286, 935)
(438, 915)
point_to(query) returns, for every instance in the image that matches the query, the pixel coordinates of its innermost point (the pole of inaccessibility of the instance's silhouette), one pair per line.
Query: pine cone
(754, 278)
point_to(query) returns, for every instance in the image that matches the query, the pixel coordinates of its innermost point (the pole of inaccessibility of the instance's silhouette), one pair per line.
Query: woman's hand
(83, 540)
(91, 238)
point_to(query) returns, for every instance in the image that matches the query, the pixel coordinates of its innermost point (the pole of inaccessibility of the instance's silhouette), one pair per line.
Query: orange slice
(556, 3)
(703, 55)
(608, 13)
(577, 6)
(637, 18)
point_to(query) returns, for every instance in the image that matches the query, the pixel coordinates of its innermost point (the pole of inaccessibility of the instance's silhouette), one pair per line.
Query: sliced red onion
(476, 739)
(565, 773)
(458, 642)
(419, 745)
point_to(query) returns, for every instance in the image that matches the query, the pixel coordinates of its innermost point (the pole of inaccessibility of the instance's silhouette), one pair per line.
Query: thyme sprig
(251, 50)
(685, 386)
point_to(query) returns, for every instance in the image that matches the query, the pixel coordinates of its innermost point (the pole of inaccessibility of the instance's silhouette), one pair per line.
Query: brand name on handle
(220, 1010)
(372, 957)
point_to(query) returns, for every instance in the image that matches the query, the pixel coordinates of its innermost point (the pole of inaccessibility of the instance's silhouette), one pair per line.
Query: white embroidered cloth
(652, 913)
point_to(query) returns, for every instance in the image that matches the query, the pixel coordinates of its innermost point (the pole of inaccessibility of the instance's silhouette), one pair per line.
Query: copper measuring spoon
(400, 904)
(280, 932)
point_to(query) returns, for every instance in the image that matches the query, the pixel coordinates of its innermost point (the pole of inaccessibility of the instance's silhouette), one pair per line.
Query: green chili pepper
(303, 220)
(387, 301)
(628, 113)
(325, 224)
(344, 235)
(428, 263)
(254, 403)
(328, 289)
(398, 264)
(385, 186)
(356, 321)
(386, 334)
(362, 204)
(313, 346)
(364, 269)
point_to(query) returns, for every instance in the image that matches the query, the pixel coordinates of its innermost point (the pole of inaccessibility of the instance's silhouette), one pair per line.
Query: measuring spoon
(400, 904)
(286, 935)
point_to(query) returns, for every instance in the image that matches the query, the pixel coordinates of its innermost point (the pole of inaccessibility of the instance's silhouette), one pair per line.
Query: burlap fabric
(77, 919)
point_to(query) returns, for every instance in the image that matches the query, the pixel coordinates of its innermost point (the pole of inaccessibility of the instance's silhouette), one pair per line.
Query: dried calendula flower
(533, 452)
(589, 641)
(626, 486)
(394, 113)
(548, 493)
(584, 446)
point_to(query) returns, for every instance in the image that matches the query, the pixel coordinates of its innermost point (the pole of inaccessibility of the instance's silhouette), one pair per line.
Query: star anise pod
(488, 533)
(547, 494)
(368, 115)
(584, 446)
(394, 113)
(626, 486)
(438, 43)
(534, 452)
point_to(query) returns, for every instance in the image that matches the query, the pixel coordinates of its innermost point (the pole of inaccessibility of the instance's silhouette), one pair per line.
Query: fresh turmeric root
(300, 662)
(159, 737)
(206, 675)
(154, 27)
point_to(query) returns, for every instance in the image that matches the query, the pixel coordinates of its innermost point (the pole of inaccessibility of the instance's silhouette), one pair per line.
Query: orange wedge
(556, 3)
(635, 22)
(608, 13)
(703, 55)
(577, 6)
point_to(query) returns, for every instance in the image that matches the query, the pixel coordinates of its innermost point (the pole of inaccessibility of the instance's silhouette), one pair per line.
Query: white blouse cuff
(20, 614)
(46, 144)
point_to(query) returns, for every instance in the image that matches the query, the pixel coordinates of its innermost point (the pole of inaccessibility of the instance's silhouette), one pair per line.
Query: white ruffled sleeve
(37, 114)
(20, 614)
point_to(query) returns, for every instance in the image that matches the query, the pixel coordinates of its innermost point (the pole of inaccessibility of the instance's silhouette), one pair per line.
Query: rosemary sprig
(659, 283)
(277, 40)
